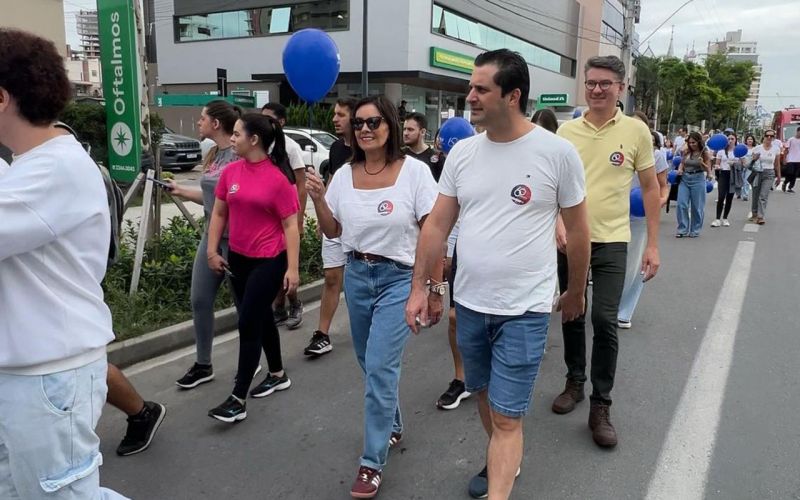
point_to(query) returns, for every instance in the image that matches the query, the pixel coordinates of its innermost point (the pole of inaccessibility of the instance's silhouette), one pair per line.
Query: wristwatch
(439, 288)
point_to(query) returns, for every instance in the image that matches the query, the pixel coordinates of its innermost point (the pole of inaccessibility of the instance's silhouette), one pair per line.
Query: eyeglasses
(604, 84)
(770, 136)
(373, 122)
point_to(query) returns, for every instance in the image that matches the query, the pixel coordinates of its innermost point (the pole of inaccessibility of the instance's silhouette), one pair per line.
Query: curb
(172, 338)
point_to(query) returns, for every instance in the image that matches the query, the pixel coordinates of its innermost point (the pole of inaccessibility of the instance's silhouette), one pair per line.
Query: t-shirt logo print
(521, 194)
(234, 189)
(617, 158)
(385, 207)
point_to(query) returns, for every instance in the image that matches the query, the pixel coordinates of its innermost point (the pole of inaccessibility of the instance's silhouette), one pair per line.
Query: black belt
(694, 172)
(369, 257)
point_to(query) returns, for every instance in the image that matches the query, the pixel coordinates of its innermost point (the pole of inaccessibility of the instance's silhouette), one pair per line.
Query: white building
(89, 33)
(739, 51)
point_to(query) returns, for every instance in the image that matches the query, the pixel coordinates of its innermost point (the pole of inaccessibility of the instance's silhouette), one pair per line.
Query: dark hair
(512, 73)
(728, 146)
(767, 131)
(546, 118)
(389, 114)
(612, 63)
(642, 116)
(224, 112)
(32, 71)
(279, 110)
(270, 133)
(347, 102)
(656, 139)
(695, 136)
(750, 136)
(419, 118)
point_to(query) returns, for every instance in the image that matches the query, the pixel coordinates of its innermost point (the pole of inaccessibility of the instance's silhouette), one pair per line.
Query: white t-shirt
(383, 221)
(767, 158)
(661, 166)
(725, 159)
(677, 144)
(793, 150)
(295, 153)
(510, 194)
(3, 166)
(54, 236)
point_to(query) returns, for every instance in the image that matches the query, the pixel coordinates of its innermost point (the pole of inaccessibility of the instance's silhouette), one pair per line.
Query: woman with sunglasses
(695, 167)
(747, 165)
(766, 164)
(257, 201)
(376, 205)
(725, 182)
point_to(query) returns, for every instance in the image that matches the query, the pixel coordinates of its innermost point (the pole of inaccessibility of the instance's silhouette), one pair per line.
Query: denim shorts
(503, 354)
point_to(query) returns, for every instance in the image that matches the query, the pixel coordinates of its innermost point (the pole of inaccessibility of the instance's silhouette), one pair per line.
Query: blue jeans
(48, 447)
(376, 295)
(691, 195)
(503, 354)
(633, 276)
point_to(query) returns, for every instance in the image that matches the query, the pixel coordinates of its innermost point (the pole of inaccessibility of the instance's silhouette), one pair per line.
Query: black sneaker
(141, 429)
(232, 410)
(270, 385)
(197, 374)
(320, 344)
(479, 484)
(295, 316)
(280, 316)
(453, 395)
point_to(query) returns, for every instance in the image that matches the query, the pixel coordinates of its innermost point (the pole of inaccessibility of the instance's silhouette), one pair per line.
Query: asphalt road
(705, 400)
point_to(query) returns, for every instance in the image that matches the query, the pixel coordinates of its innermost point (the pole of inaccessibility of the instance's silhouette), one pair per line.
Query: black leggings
(725, 193)
(256, 283)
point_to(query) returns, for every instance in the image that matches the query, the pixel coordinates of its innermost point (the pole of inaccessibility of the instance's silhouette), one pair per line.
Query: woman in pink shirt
(257, 201)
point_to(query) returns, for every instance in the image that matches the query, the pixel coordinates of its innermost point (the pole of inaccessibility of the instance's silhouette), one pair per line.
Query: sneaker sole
(230, 420)
(152, 433)
(279, 387)
(363, 495)
(625, 326)
(293, 326)
(318, 352)
(196, 382)
(456, 403)
(486, 495)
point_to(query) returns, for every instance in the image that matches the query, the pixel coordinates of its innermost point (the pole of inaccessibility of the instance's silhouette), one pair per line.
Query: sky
(774, 24)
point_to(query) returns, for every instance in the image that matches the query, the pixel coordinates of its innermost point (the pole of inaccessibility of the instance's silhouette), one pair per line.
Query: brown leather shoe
(603, 432)
(566, 401)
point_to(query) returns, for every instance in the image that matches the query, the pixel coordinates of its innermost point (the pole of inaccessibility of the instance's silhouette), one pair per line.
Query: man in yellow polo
(614, 148)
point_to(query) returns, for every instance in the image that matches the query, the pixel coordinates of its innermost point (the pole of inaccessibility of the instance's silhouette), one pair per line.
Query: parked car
(316, 145)
(179, 151)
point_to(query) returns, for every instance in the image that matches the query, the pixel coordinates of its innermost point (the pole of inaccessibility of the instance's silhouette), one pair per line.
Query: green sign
(446, 59)
(203, 99)
(118, 57)
(553, 99)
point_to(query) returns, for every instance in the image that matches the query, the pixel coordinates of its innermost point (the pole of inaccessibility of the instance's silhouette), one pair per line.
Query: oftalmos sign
(119, 59)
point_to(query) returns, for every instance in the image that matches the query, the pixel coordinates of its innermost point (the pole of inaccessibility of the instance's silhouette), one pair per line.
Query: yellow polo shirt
(611, 155)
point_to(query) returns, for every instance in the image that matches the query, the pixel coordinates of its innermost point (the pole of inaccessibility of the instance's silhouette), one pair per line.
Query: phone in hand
(160, 183)
(228, 273)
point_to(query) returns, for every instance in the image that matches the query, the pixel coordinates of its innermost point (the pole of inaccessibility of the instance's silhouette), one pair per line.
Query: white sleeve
(3, 166)
(295, 155)
(571, 179)
(425, 193)
(661, 162)
(334, 193)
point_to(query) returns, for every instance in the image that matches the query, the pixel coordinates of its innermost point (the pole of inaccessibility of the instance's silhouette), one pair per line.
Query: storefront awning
(416, 78)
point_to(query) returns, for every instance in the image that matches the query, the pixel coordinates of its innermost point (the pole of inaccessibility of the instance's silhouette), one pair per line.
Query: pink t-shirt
(259, 197)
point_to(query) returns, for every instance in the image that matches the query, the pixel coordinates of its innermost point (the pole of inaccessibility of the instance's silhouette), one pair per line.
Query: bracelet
(209, 257)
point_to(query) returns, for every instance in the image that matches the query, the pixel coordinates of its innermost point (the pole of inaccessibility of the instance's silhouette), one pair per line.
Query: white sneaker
(715, 223)
(749, 215)
(726, 223)
(623, 324)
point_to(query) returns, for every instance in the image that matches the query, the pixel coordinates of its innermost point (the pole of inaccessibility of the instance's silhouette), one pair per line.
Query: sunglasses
(373, 122)
(770, 136)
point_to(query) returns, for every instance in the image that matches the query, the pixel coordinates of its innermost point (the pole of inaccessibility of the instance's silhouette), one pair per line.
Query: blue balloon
(578, 112)
(676, 160)
(670, 155)
(637, 203)
(672, 177)
(740, 150)
(311, 62)
(709, 186)
(453, 130)
(717, 142)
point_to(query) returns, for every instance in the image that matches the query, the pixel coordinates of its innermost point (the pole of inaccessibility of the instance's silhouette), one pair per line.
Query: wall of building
(42, 17)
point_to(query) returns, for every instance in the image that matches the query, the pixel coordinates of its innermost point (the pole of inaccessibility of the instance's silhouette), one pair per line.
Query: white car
(316, 144)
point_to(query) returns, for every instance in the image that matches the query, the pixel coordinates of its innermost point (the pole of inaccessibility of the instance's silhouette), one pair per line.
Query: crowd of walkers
(507, 223)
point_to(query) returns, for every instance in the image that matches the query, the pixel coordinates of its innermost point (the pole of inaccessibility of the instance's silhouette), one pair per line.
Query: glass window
(454, 25)
(325, 139)
(328, 15)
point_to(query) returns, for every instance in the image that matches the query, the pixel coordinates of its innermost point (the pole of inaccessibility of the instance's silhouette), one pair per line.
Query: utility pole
(631, 16)
(364, 69)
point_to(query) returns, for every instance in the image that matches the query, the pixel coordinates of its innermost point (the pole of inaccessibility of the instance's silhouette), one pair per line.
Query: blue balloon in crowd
(637, 203)
(311, 62)
(578, 112)
(740, 150)
(676, 161)
(709, 186)
(669, 155)
(672, 177)
(717, 142)
(453, 130)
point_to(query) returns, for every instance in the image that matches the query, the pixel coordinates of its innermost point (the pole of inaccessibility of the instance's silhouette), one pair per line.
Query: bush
(297, 116)
(163, 297)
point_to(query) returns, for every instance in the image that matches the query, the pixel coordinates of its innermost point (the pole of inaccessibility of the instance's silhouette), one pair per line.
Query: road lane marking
(750, 228)
(683, 464)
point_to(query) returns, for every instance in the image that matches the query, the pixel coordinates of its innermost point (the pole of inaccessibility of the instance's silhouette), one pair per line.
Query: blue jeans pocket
(59, 391)
(70, 474)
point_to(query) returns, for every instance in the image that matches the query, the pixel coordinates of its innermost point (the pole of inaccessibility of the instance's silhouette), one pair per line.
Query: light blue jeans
(376, 295)
(633, 276)
(48, 447)
(691, 195)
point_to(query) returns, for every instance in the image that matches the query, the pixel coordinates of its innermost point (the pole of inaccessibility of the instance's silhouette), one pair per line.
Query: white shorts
(332, 253)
